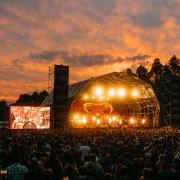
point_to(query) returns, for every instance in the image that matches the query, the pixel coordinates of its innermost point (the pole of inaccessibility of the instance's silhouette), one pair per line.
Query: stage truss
(50, 84)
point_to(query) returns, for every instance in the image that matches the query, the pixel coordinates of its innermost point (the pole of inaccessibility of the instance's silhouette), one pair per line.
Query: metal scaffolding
(146, 105)
(50, 84)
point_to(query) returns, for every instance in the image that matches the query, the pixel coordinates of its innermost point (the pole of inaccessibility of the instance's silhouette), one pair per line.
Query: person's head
(83, 170)
(107, 156)
(177, 163)
(108, 176)
(119, 160)
(141, 161)
(122, 170)
(17, 159)
(146, 173)
(48, 174)
(90, 157)
(162, 157)
(34, 162)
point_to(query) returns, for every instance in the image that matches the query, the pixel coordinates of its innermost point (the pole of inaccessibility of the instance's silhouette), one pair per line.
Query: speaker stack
(60, 96)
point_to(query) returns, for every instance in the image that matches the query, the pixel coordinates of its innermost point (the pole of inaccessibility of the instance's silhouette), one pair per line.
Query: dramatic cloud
(82, 60)
(94, 37)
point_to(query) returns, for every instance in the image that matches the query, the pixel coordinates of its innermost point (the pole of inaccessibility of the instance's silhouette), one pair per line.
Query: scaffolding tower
(50, 84)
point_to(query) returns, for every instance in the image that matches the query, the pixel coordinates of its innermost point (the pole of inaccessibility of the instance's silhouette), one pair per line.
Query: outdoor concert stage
(111, 100)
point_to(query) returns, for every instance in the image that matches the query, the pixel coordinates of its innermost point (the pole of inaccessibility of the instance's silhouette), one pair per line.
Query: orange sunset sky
(94, 37)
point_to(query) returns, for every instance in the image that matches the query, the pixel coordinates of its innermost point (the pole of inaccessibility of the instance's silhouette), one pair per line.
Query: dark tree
(174, 65)
(35, 98)
(43, 95)
(166, 73)
(24, 99)
(166, 86)
(3, 110)
(156, 69)
(142, 73)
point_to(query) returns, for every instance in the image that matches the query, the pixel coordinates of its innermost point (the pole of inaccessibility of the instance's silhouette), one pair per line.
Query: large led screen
(29, 117)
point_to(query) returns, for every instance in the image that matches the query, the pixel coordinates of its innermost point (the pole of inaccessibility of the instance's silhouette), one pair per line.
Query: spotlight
(114, 118)
(110, 120)
(111, 92)
(120, 121)
(132, 121)
(76, 116)
(84, 120)
(143, 121)
(98, 121)
(86, 97)
(134, 93)
(93, 118)
(121, 92)
(99, 91)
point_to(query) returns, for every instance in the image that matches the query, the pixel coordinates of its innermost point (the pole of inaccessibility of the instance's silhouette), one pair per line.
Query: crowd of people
(91, 154)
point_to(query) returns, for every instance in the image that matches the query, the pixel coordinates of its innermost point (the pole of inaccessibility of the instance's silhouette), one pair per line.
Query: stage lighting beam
(99, 91)
(111, 92)
(134, 93)
(86, 97)
(120, 121)
(76, 116)
(121, 92)
(98, 121)
(84, 120)
(143, 121)
(132, 121)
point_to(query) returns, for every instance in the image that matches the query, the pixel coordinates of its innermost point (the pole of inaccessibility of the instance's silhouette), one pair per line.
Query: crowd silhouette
(92, 154)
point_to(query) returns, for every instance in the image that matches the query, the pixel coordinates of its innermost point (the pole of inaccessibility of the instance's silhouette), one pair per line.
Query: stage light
(110, 120)
(76, 116)
(93, 118)
(111, 92)
(132, 121)
(84, 120)
(98, 121)
(121, 92)
(114, 118)
(99, 91)
(134, 93)
(86, 97)
(120, 121)
(143, 121)
(101, 98)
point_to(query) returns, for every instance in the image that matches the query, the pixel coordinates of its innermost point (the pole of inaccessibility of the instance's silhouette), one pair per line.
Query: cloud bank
(92, 36)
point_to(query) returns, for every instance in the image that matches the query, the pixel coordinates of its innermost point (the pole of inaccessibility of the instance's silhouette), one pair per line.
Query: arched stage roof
(111, 79)
(145, 103)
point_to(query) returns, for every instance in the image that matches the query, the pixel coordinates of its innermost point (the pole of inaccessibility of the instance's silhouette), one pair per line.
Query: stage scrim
(29, 117)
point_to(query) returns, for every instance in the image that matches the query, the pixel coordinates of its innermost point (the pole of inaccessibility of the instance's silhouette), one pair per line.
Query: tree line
(165, 81)
(32, 99)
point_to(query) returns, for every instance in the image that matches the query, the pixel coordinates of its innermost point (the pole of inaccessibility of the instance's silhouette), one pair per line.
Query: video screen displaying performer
(29, 117)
